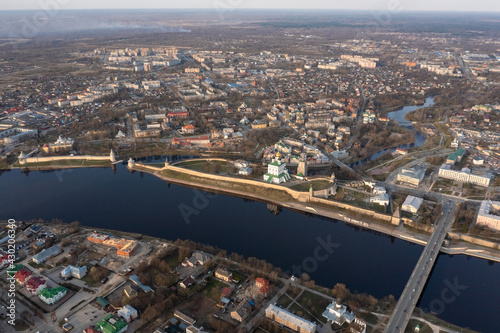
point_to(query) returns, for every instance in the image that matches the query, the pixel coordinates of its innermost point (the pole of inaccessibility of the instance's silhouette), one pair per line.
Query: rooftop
(291, 318)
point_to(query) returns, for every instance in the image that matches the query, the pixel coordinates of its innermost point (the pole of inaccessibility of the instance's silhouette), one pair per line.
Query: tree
(340, 291)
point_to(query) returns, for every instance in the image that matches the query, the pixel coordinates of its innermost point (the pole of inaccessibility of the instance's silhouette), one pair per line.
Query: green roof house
(52, 295)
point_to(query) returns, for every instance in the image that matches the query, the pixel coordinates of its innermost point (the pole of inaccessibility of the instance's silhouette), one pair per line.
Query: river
(329, 251)
(399, 116)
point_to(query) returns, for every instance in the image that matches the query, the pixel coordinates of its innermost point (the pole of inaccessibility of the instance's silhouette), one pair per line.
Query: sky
(439, 5)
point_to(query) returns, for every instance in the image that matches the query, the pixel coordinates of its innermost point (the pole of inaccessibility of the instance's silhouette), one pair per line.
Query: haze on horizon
(422, 5)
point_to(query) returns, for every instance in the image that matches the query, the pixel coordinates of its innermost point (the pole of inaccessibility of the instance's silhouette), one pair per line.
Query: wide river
(330, 251)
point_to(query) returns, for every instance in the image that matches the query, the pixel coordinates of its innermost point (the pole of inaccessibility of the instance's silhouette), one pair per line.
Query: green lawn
(214, 167)
(314, 303)
(284, 300)
(213, 289)
(301, 312)
(369, 317)
(316, 185)
(273, 194)
(239, 276)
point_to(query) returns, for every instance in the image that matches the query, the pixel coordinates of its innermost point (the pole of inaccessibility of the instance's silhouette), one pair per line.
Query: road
(406, 304)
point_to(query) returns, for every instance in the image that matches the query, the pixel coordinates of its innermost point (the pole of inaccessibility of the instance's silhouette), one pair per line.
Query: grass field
(315, 304)
(214, 167)
(284, 301)
(316, 185)
(273, 194)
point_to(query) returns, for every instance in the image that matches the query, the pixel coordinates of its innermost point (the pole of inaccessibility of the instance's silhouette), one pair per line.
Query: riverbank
(287, 201)
(300, 201)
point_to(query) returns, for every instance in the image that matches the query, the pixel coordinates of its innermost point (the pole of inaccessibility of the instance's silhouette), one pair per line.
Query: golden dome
(278, 155)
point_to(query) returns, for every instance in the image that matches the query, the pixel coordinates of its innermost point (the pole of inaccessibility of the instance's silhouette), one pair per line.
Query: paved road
(406, 304)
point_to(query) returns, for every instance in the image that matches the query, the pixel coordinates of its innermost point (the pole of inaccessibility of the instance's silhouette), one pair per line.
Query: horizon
(487, 6)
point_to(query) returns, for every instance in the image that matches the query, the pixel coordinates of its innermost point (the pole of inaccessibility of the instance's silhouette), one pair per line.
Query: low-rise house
(52, 295)
(187, 282)
(128, 313)
(74, 271)
(35, 285)
(198, 258)
(224, 274)
(46, 254)
(22, 276)
(241, 312)
(263, 286)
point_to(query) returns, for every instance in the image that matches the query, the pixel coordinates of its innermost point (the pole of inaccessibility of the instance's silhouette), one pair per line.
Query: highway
(406, 303)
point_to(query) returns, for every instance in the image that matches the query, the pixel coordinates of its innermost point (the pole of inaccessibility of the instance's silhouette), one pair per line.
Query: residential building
(46, 254)
(187, 282)
(489, 214)
(465, 175)
(411, 176)
(412, 204)
(128, 313)
(276, 171)
(135, 280)
(241, 312)
(198, 258)
(74, 271)
(35, 284)
(111, 324)
(224, 274)
(337, 313)
(289, 320)
(263, 286)
(22, 276)
(52, 295)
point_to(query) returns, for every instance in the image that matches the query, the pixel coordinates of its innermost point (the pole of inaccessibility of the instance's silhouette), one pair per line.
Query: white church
(276, 171)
